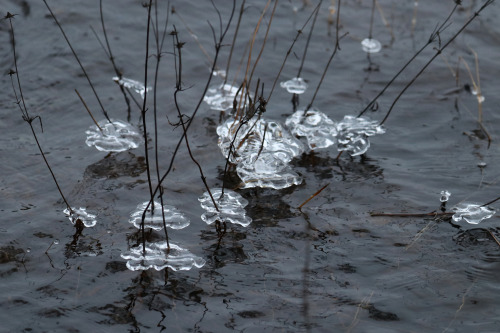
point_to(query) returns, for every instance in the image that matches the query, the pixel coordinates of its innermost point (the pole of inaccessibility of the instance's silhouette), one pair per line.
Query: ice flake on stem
(319, 130)
(137, 86)
(221, 98)
(231, 207)
(159, 256)
(154, 218)
(353, 134)
(81, 214)
(370, 45)
(116, 136)
(445, 196)
(471, 213)
(297, 85)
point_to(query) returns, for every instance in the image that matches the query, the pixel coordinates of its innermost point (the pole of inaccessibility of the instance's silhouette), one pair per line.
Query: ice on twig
(221, 98)
(471, 213)
(353, 133)
(231, 207)
(267, 170)
(319, 130)
(81, 214)
(370, 45)
(154, 217)
(159, 256)
(116, 136)
(137, 86)
(297, 85)
(477, 93)
(445, 195)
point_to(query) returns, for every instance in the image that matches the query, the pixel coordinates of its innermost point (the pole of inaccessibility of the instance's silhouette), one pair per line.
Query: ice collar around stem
(231, 207)
(114, 136)
(353, 133)
(154, 217)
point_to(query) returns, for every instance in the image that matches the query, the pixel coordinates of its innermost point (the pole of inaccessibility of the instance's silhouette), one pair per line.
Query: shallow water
(328, 267)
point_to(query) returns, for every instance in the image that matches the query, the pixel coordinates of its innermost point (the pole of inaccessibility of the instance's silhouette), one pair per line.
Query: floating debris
(137, 86)
(370, 45)
(267, 170)
(445, 195)
(221, 98)
(159, 256)
(353, 133)
(116, 136)
(231, 207)
(154, 218)
(297, 85)
(471, 213)
(319, 130)
(81, 214)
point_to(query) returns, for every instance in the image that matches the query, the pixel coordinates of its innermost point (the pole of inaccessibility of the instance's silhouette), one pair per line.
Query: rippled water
(330, 266)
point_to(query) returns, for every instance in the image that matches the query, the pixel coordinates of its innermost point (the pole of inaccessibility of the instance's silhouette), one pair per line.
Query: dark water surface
(331, 268)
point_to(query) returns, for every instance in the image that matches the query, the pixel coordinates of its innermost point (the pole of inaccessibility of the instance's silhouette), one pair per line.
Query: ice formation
(297, 85)
(370, 45)
(159, 256)
(75, 214)
(116, 136)
(319, 130)
(231, 207)
(471, 213)
(353, 134)
(221, 98)
(154, 218)
(445, 195)
(261, 151)
(137, 86)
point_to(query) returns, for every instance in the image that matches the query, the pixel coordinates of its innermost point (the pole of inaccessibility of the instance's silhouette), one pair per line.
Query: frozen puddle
(471, 213)
(319, 130)
(297, 85)
(88, 220)
(154, 218)
(353, 134)
(116, 136)
(159, 256)
(137, 86)
(231, 207)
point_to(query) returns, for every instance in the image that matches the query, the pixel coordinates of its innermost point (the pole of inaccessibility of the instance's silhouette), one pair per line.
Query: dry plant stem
(112, 59)
(78, 60)
(289, 51)
(176, 150)
(308, 39)
(370, 34)
(178, 88)
(88, 110)
(336, 48)
(494, 238)
(438, 52)
(434, 35)
(143, 113)
(313, 196)
(384, 20)
(433, 214)
(24, 111)
(242, 9)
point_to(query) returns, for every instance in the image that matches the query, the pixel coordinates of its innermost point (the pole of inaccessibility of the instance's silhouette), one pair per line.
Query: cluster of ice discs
(230, 207)
(114, 136)
(159, 255)
(351, 134)
(81, 214)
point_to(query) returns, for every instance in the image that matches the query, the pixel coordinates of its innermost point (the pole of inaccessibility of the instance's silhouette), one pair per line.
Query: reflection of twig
(493, 236)
(88, 110)
(362, 304)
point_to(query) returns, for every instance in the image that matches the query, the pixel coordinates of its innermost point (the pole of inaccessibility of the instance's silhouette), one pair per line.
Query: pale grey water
(349, 272)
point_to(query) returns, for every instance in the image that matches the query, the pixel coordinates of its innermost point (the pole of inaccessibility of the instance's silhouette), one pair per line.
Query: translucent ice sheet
(116, 136)
(221, 98)
(297, 85)
(154, 218)
(370, 45)
(137, 86)
(158, 256)
(471, 213)
(231, 207)
(353, 134)
(88, 220)
(319, 130)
